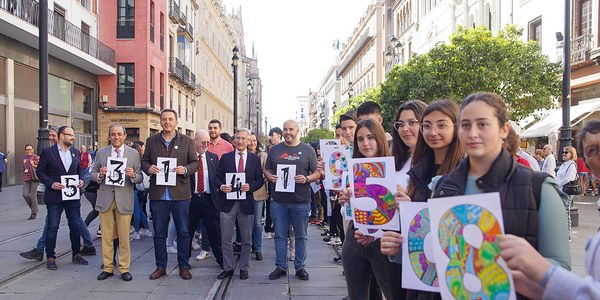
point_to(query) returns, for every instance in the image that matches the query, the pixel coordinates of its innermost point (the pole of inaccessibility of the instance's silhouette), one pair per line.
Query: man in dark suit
(238, 161)
(170, 199)
(56, 161)
(205, 196)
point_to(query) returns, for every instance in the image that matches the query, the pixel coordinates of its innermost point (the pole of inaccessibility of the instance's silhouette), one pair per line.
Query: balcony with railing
(59, 27)
(186, 75)
(192, 82)
(176, 68)
(188, 32)
(182, 18)
(580, 49)
(174, 11)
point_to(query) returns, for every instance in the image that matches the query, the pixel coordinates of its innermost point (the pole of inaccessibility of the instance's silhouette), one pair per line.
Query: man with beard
(217, 145)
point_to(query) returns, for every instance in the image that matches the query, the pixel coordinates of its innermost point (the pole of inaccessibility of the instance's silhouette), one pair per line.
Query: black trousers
(202, 208)
(337, 222)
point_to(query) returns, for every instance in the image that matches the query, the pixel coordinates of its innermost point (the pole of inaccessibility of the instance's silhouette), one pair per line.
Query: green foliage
(317, 134)
(476, 60)
(371, 94)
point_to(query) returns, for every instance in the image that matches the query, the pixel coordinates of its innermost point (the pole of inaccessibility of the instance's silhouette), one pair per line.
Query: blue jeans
(85, 235)
(283, 215)
(138, 215)
(72, 210)
(257, 230)
(160, 215)
(41, 243)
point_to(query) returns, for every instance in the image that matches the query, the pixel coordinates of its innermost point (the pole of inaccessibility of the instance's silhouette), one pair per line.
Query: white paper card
(166, 175)
(315, 187)
(285, 179)
(70, 190)
(116, 171)
(235, 180)
(418, 261)
(461, 228)
(373, 185)
(335, 160)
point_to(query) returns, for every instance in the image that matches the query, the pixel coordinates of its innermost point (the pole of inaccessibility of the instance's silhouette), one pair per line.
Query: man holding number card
(165, 198)
(291, 208)
(59, 161)
(117, 170)
(233, 163)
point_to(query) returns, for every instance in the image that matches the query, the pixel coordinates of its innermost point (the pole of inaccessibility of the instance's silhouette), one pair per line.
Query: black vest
(514, 183)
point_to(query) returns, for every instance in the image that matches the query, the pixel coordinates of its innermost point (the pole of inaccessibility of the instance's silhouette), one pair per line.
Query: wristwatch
(306, 178)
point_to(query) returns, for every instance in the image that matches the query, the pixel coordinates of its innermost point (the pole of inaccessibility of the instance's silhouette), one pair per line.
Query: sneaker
(146, 233)
(327, 239)
(135, 235)
(267, 235)
(33, 254)
(315, 222)
(203, 255)
(171, 250)
(79, 260)
(131, 229)
(337, 260)
(195, 245)
(51, 264)
(335, 241)
(99, 233)
(91, 250)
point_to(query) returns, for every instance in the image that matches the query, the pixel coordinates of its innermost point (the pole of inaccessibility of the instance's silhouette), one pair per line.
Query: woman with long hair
(405, 136)
(260, 196)
(361, 257)
(532, 207)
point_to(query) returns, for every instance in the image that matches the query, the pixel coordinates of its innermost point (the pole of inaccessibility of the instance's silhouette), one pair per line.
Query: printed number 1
(166, 168)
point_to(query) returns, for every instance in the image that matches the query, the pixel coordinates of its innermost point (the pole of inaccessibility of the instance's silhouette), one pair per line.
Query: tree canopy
(476, 60)
(317, 134)
(371, 94)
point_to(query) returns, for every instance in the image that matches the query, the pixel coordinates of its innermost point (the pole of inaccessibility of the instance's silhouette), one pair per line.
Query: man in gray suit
(115, 203)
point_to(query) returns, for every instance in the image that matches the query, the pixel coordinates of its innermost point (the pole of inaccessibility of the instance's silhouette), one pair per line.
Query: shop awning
(551, 123)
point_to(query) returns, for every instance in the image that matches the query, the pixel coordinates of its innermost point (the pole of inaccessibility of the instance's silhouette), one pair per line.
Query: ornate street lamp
(392, 54)
(249, 87)
(257, 119)
(234, 64)
(350, 90)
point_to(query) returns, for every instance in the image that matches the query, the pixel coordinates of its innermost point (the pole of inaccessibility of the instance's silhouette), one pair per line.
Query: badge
(176, 147)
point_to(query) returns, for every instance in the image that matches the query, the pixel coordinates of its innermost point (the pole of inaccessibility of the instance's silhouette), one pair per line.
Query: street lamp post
(266, 127)
(43, 131)
(249, 87)
(566, 138)
(257, 118)
(234, 64)
(350, 90)
(392, 54)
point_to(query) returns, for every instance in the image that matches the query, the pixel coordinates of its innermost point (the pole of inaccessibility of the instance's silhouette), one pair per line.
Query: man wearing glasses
(549, 162)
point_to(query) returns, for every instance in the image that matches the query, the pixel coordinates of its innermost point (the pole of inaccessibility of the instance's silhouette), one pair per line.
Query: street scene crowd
(180, 192)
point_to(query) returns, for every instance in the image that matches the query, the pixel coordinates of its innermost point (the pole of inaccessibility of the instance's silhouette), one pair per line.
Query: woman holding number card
(437, 152)
(361, 257)
(537, 277)
(531, 204)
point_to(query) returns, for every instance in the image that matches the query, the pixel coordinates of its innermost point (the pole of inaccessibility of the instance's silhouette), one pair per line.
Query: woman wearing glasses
(538, 278)
(30, 180)
(568, 170)
(405, 136)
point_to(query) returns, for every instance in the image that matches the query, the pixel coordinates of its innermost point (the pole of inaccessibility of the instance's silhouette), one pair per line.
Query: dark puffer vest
(514, 182)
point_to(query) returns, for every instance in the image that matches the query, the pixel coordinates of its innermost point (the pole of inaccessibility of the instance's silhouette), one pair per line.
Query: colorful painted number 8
(466, 258)
(338, 164)
(418, 230)
(386, 207)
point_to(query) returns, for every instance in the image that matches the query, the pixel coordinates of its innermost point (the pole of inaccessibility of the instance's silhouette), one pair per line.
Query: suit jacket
(254, 177)
(123, 195)
(212, 161)
(181, 147)
(51, 168)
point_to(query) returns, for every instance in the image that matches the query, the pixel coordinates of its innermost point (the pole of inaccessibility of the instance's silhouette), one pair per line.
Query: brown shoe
(158, 273)
(185, 274)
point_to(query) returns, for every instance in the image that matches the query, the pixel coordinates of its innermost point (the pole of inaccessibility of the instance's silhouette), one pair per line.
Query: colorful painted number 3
(386, 207)
(338, 164)
(474, 261)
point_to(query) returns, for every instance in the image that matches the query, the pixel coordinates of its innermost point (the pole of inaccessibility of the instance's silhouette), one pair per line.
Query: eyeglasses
(427, 128)
(401, 124)
(566, 152)
(28, 149)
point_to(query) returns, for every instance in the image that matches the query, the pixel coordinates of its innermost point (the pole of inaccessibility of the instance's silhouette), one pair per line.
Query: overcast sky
(293, 41)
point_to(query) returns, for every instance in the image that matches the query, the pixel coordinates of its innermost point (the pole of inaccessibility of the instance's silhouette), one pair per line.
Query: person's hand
(180, 170)
(130, 173)
(272, 178)
(390, 243)
(57, 186)
(321, 166)
(363, 239)
(400, 196)
(344, 196)
(153, 169)
(226, 188)
(521, 256)
(527, 287)
(245, 187)
(300, 179)
(80, 183)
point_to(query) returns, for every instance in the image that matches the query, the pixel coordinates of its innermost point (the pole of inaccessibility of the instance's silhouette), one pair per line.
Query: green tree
(317, 134)
(476, 60)
(371, 94)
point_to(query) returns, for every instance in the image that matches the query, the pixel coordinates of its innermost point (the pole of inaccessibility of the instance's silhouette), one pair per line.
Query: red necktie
(200, 175)
(241, 163)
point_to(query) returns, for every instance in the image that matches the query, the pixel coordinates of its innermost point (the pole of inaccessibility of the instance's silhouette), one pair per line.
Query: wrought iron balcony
(580, 48)
(186, 75)
(28, 10)
(182, 18)
(176, 68)
(173, 11)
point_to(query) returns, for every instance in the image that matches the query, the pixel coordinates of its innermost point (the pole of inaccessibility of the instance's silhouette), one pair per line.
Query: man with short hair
(291, 208)
(174, 200)
(115, 203)
(86, 161)
(549, 162)
(242, 211)
(348, 126)
(370, 109)
(205, 199)
(217, 145)
(56, 161)
(275, 135)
